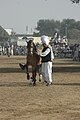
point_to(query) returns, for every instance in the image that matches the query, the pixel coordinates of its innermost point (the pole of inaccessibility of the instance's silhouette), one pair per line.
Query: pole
(66, 31)
(26, 30)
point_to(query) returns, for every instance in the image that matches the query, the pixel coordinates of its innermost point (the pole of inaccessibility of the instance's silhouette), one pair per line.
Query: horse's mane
(34, 47)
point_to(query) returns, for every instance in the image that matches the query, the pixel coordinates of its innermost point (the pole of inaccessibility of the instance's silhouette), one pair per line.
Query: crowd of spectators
(13, 50)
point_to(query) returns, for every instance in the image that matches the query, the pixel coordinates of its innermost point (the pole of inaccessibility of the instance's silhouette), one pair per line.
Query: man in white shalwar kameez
(47, 58)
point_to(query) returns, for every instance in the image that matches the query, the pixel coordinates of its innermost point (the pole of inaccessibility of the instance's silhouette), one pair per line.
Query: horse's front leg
(34, 77)
(28, 76)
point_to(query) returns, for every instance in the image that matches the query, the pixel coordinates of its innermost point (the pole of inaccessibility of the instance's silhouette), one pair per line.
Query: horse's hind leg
(34, 78)
(28, 76)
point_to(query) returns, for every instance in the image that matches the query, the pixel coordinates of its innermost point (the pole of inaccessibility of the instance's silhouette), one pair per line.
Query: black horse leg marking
(23, 67)
(28, 76)
(34, 77)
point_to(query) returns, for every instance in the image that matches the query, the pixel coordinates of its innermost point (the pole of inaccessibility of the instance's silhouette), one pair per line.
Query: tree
(74, 34)
(47, 27)
(67, 27)
(75, 1)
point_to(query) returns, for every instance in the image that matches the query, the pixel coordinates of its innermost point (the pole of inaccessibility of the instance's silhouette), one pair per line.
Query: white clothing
(52, 55)
(11, 51)
(46, 52)
(47, 71)
(47, 66)
(45, 39)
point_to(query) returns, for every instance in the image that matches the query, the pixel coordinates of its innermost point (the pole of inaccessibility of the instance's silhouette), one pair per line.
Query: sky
(17, 14)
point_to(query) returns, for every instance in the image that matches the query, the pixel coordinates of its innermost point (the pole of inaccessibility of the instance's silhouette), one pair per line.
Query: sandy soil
(21, 101)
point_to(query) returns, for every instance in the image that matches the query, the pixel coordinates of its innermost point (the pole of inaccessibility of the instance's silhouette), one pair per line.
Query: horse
(33, 60)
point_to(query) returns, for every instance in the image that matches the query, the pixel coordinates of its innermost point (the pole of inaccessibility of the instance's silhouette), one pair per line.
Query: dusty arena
(21, 101)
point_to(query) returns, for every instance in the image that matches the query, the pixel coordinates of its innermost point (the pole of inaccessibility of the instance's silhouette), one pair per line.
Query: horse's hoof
(39, 80)
(34, 84)
(28, 78)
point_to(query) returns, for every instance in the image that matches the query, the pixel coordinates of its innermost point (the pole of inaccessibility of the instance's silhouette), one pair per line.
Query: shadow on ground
(25, 84)
(55, 69)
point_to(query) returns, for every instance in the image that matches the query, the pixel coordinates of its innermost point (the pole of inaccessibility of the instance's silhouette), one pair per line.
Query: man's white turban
(45, 39)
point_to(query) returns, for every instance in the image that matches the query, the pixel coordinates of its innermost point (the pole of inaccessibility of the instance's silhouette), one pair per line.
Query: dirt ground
(21, 101)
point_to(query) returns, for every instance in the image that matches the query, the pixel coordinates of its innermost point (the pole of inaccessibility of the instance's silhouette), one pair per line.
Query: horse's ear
(28, 39)
(25, 38)
(31, 39)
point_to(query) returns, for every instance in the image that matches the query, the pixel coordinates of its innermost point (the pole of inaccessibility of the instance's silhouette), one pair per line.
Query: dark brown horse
(33, 60)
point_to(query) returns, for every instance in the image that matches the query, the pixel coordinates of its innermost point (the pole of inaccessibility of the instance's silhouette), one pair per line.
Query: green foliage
(68, 27)
(47, 27)
(74, 33)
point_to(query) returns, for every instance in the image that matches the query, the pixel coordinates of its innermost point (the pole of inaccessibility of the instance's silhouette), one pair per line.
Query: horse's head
(29, 41)
(30, 45)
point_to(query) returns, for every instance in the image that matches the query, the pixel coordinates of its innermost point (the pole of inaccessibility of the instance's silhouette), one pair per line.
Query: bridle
(30, 48)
